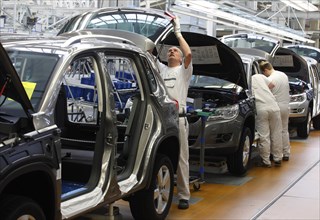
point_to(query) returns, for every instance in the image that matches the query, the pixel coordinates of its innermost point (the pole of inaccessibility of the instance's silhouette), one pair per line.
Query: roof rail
(76, 39)
(22, 41)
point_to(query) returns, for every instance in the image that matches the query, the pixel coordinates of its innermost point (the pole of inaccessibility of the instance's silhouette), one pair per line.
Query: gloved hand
(176, 27)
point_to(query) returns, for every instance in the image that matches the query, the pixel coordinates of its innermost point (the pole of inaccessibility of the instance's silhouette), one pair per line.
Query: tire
(238, 162)
(154, 203)
(316, 122)
(303, 128)
(18, 207)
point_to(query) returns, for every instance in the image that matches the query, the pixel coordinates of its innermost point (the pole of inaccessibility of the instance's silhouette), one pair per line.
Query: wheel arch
(250, 123)
(35, 181)
(311, 107)
(169, 146)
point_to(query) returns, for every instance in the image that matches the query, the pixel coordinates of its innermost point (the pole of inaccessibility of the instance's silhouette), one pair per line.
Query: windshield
(210, 82)
(34, 70)
(260, 44)
(306, 52)
(71, 24)
(148, 25)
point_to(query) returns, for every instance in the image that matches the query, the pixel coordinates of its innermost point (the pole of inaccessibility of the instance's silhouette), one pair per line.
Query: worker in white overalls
(268, 121)
(281, 93)
(177, 76)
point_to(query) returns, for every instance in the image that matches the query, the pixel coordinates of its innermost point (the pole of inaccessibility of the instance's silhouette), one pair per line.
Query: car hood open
(10, 83)
(210, 57)
(291, 63)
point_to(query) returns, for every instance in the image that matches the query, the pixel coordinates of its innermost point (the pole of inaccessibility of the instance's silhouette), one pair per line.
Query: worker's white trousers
(268, 126)
(183, 167)
(284, 111)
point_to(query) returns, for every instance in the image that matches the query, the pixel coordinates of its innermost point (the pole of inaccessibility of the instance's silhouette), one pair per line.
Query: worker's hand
(176, 27)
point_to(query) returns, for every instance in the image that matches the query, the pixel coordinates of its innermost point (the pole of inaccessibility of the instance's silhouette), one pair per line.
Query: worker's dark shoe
(277, 163)
(183, 204)
(285, 158)
(261, 164)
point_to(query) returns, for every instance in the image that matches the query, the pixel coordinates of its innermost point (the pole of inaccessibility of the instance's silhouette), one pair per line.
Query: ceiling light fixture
(237, 19)
(301, 5)
(263, 32)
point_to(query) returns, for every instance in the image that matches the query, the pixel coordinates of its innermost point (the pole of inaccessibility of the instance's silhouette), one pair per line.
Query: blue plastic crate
(125, 75)
(87, 81)
(119, 84)
(76, 92)
(88, 95)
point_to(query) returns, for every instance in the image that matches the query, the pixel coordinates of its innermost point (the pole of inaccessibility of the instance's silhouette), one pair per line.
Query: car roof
(305, 50)
(140, 41)
(121, 17)
(76, 41)
(250, 36)
(302, 46)
(250, 40)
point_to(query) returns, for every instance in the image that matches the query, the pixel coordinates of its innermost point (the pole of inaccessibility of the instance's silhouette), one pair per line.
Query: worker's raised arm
(182, 42)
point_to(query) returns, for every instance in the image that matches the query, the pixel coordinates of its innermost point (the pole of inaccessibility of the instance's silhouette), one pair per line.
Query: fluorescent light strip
(306, 5)
(236, 26)
(300, 5)
(292, 5)
(214, 12)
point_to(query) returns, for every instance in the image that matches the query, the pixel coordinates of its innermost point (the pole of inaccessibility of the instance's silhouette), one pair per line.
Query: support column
(211, 27)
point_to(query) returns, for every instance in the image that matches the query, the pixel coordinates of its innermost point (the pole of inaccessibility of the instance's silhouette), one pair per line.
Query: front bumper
(299, 109)
(220, 137)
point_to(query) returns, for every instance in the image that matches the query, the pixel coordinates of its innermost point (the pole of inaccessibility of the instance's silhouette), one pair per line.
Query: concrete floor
(287, 192)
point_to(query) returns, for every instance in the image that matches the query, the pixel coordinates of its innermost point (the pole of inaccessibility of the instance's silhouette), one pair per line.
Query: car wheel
(154, 203)
(20, 208)
(303, 129)
(316, 122)
(238, 162)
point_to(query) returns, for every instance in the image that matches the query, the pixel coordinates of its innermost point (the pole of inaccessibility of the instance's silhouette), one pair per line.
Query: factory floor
(287, 192)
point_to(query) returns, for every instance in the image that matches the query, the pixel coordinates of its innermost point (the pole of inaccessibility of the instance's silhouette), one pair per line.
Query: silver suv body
(85, 121)
(304, 96)
(303, 77)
